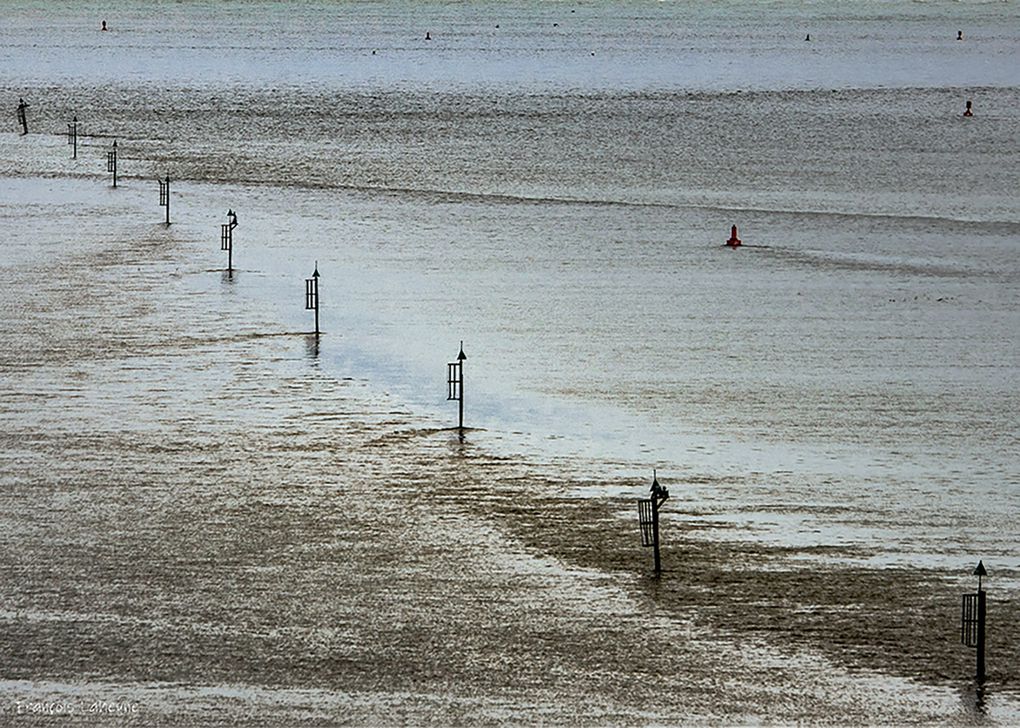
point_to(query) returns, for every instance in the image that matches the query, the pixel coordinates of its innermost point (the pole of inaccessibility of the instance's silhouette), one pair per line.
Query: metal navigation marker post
(22, 117)
(455, 385)
(312, 296)
(972, 622)
(164, 197)
(111, 162)
(72, 137)
(227, 239)
(648, 518)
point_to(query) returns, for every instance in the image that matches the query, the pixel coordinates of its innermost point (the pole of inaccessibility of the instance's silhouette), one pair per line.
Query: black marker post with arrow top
(72, 137)
(648, 519)
(111, 162)
(227, 239)
(455, 386)
(972, 623)
(164, 197)
(312, 296)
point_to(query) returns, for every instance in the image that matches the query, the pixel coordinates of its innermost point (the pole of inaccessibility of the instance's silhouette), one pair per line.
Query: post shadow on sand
(648, 519)
(973, 699)
(312, 347)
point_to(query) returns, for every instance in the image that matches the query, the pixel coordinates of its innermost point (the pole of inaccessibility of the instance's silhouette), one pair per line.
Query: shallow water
(212, 517)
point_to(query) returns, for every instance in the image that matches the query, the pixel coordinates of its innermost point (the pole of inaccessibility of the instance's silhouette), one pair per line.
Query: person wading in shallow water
(104, 26)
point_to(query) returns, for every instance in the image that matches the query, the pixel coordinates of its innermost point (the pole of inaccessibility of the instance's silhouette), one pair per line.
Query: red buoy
(734, 241)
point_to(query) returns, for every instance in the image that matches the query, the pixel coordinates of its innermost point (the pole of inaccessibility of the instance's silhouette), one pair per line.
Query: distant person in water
(104, 26)
(807, 37)
(968, 111)
(428, 35)
(959, 35)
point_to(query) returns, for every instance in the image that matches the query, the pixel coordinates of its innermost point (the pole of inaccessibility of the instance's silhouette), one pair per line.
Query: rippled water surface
(209, 516)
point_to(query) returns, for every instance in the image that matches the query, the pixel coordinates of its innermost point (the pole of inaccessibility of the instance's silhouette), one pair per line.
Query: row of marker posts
(454, 369)
(226, 230)
(973, 615)
(972, 619)
(972, 622)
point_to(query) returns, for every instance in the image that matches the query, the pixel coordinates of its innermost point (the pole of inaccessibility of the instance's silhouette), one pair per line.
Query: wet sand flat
(209, 516)
(219, 531)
